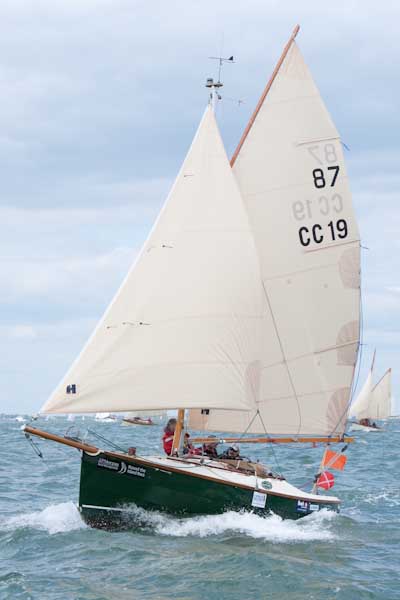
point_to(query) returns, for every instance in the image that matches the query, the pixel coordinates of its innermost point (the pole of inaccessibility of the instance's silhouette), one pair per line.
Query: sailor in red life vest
(188, 447)
(168, 436)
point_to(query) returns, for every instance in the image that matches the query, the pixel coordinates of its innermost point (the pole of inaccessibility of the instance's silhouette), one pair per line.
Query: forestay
(291, 173)
(183, 328)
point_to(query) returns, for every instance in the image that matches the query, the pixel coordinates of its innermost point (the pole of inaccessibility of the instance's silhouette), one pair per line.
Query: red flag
(325, 481)
(334, 460)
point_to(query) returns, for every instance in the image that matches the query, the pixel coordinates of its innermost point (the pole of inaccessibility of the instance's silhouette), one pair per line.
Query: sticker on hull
(303, 506)
(121, 468)
(259, 500)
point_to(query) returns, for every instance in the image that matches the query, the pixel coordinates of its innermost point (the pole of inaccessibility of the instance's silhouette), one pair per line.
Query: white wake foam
(272, 528)
(56, 518)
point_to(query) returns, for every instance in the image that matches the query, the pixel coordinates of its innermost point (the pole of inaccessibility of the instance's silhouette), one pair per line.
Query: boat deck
(217, 470)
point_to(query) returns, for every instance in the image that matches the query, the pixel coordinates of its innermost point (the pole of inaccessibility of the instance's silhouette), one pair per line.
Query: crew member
(210, 448)
(168, 436)
(188, 447)
(232, 453)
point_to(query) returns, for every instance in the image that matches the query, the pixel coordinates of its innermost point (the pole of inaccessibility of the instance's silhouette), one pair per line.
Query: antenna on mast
(216, 85)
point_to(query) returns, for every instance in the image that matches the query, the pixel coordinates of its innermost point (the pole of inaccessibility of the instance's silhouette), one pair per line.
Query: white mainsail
(183, 329)
(374, 402)
(292, 177)
(381, 403)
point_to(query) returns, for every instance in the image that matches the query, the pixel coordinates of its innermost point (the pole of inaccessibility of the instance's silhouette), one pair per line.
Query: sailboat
(241, 313)
(105, 417)
(373, 403)
(150, 417)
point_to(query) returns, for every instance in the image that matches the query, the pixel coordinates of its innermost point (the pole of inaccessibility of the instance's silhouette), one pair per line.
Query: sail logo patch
(71, 389)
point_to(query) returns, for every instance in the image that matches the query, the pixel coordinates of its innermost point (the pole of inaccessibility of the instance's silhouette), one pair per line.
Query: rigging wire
(34, 445)
(249, 425)
(272, 445)
(103, 439)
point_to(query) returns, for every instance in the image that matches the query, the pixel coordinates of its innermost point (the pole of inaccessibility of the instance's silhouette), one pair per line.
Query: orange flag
(334, 460)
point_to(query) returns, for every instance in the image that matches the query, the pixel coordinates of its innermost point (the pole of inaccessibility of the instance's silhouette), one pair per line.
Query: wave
(390, 498)
(65, 517)
(272, 528)
(56, 518)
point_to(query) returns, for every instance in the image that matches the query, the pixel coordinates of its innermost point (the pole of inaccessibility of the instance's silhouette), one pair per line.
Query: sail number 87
(320, 180)
(316, 233)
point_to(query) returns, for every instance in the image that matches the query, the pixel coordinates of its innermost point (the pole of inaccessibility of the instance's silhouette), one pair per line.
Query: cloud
(34, 359)
(78, 276)
(99, 103)
(20, 332)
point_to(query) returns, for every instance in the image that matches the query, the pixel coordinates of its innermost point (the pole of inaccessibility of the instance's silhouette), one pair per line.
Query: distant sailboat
(149, 417)
(373, 403)
(242, 308)
(105, 417)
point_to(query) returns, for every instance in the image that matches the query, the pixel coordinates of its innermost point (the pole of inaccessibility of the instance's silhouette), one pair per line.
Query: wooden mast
(275, 440)
(264, 94)
(373, 361)
(180, 421)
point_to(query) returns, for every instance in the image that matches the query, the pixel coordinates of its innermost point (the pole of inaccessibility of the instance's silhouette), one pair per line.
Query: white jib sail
(292, 177)
(374, 402)
(183, 329)
(360, 407)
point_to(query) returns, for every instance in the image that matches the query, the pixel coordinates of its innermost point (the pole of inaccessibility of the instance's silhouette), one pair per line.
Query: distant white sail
(360, 407)
(374, 402)
(183, 329)
(292, 176)
(382, 397)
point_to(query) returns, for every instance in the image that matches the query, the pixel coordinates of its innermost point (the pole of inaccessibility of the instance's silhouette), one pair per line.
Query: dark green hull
(110, 486)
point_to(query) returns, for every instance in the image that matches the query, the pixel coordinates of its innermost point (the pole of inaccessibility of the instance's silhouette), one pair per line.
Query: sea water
(47, 552)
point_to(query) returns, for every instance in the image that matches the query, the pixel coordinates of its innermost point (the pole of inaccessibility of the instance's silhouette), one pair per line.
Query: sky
(99, 101)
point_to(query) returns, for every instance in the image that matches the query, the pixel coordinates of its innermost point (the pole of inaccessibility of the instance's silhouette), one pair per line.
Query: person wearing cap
(232, 453)
(210, 448)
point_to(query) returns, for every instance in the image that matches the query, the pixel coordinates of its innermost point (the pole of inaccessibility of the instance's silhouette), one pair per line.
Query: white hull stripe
(106, 508)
